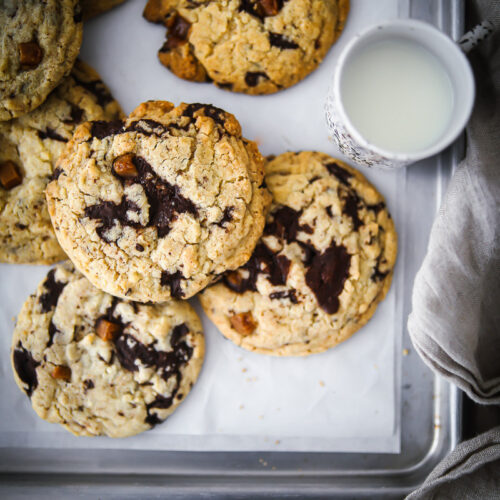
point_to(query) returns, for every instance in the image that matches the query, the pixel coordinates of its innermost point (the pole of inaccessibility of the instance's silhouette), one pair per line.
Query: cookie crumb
(406, 352)
(261, 417)
(244, 370)
(242, 406)
(321, 383)
(277, 441)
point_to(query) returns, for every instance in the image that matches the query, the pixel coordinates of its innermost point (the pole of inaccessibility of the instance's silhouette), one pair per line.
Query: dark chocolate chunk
(101, 129)
(351, 205)
(227, 216)
(263, 261)
(88, 384)
(285, 224)
(56, 174)
(377, 274)
(109, 213)
(129, 350)
(97, 88)
(262, 8)
(378, 207)
(329, 211)
(48, 133)
(225, 85)
(20, 226)
(252, 77)
(173, 280)
(218, 115)
(286, 294)
(139, 247)
(76, 115)
(25, 367)
(165, 202)
(326, 276)
(341, 173)
(177, 34)
(48, 300)
(147, 127)
(178, 332)
(281, 41)
(52, 331)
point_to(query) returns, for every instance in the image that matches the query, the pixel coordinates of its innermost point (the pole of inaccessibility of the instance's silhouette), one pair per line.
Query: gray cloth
(471, 472)
(455, 322)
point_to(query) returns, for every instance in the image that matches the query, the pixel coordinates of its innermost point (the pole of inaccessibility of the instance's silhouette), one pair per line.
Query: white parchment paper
(342, 400)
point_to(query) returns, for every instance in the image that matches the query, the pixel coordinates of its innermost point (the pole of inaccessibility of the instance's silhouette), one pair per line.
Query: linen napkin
(455, 322)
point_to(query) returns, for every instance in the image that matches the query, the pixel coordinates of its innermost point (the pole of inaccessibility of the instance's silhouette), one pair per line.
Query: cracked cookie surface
(29, 148)
(157, 206)
(102, 366)
(251, 46)
(323, 264)
(39, 42)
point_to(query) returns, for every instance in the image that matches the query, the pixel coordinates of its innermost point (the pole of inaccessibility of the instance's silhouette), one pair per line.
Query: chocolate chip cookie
(92, 8)
(324, 263)
(158, 206)
(251, 46)
(29, 148)
(39, 42)
(102, 366)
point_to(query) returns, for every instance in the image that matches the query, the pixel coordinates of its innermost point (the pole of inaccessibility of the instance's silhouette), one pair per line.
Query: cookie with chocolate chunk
(323, 264)
(99, 365)
(93, 8)
(251, 46)
(40, 41)
(29, 148)
(159, 205)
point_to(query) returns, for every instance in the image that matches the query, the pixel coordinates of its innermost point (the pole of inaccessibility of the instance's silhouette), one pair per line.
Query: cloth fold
(470, 472)
(455, 321)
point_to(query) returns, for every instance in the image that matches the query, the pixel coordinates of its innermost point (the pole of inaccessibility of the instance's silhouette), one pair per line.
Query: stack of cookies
(290, 255)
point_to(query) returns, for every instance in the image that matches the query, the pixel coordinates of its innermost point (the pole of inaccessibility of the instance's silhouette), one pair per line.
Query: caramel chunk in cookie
(107, 330)
(243, 323)
(123, 166)
(30, 55)
(9, 175)
(61, 372)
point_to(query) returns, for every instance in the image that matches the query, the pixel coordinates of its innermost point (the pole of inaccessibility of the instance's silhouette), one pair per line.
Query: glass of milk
(401, 91)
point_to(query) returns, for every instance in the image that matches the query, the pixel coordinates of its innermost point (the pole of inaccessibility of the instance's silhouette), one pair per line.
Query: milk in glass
(397, 95)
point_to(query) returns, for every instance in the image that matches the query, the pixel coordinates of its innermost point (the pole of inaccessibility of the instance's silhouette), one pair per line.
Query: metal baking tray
(430, 407)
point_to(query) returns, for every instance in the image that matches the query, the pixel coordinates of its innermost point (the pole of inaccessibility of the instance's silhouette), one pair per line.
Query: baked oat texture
(33, 143)
(324, 263)
(93, 8)
(251, 46)
(102, 366)
(160, 205)
(39, 42)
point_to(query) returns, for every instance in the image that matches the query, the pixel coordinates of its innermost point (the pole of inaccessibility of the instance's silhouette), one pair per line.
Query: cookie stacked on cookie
(159, 205)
